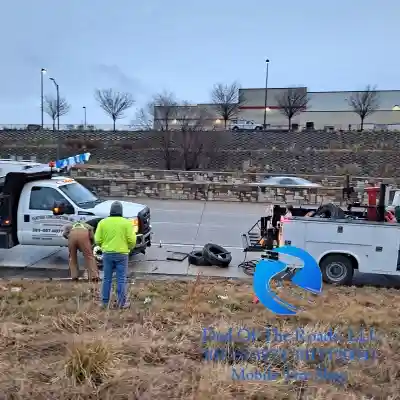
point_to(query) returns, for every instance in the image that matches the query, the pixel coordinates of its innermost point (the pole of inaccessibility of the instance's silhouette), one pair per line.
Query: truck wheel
(337, 269)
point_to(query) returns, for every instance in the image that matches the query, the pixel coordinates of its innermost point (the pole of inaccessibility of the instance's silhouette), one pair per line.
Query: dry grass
(57, 343)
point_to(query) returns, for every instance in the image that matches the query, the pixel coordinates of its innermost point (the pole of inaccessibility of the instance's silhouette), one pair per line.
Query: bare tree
(190, 117)
(226, 100)
(144, 119)
(54, 110)
(292, 102)
(364, 103)
(165, 107)
(190, 136)
(114, 103)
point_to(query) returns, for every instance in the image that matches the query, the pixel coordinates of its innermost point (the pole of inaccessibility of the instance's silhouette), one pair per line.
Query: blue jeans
(119, 263)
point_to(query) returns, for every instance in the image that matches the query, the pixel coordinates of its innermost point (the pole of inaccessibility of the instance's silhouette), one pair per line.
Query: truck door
(385, 250)
(40, 226)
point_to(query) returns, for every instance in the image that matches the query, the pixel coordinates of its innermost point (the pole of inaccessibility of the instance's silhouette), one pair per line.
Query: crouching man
(80, 236)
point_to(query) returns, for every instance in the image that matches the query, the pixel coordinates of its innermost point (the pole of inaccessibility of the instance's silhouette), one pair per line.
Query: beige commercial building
(325, 110)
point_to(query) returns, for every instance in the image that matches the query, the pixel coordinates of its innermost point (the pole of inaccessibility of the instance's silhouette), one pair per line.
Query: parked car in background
(242, 124)
(287, 181)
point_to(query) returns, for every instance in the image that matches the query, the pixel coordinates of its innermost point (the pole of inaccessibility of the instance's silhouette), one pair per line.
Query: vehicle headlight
(135, 224)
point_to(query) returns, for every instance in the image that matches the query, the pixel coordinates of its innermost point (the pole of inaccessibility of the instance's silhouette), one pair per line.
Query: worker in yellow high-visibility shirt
(116, 237)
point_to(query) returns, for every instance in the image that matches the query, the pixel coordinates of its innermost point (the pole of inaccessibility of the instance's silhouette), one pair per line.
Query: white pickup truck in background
(36, 203)
(242, 124)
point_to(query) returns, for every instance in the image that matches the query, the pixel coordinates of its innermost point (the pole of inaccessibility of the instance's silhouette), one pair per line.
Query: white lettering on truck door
(45, 228)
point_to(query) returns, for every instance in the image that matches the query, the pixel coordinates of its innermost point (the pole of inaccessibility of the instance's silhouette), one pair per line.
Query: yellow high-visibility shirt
(115, 235)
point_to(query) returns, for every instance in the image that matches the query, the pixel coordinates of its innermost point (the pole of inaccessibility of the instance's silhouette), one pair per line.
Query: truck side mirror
(58, 209)
(62, 208)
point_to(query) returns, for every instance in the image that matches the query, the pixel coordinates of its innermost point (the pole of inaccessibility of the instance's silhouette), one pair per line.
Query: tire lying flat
(217, 255)
(196, 258)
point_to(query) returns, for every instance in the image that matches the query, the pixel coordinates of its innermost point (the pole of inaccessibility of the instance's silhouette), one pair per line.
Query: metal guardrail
(71, 127)
(172, 127)
(107, 127)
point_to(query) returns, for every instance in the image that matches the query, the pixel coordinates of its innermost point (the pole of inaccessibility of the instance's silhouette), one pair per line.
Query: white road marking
(206, 213)
(198, 246)
(188, 224)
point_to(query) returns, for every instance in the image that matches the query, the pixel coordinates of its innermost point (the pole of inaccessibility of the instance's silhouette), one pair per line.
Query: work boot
(125, 306)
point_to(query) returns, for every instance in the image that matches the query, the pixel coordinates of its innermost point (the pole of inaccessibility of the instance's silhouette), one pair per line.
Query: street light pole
(266, 95)
(58, 117)
(84, 110)
(42, 72)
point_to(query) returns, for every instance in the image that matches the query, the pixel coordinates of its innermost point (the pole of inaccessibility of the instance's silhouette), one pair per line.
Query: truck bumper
(142, 242)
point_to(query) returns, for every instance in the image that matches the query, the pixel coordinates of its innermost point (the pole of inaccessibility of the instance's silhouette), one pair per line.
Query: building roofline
(356, 91)
(274, 88)
(323, 91)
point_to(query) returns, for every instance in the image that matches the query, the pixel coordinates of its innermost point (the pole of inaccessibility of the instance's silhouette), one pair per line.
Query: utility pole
(266, 95)
(42, 72)
(58, 117)
(84, 110)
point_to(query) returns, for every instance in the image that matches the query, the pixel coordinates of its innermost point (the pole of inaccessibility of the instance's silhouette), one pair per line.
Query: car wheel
(235, 128)
(258, 128)
(217, 255)
(337, 269)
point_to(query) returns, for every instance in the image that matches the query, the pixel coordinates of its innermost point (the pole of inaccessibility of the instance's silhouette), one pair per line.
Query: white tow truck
(341, 246)
(36, 202)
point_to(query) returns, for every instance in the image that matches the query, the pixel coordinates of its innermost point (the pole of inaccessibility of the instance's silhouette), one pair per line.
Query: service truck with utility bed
(340, 242)
(36, 203)
(342, 246)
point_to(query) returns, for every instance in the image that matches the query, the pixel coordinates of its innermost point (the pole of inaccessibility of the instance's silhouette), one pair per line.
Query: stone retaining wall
(233, 177)
(218, 191)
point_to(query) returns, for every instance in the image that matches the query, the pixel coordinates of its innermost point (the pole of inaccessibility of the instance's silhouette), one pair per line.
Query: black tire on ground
(196, 258)
(217, 255)
(235, 128)
(337, 269)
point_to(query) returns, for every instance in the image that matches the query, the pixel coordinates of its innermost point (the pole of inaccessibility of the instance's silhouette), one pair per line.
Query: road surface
(178, 226)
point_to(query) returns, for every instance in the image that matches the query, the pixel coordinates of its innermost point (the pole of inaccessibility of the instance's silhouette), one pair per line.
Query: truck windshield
(80, 195)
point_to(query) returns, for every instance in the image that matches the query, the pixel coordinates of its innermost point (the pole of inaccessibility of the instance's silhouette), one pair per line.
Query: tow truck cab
(35, 206)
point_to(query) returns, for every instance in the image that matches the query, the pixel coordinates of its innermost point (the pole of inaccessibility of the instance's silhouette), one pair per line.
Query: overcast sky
(182, 46)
